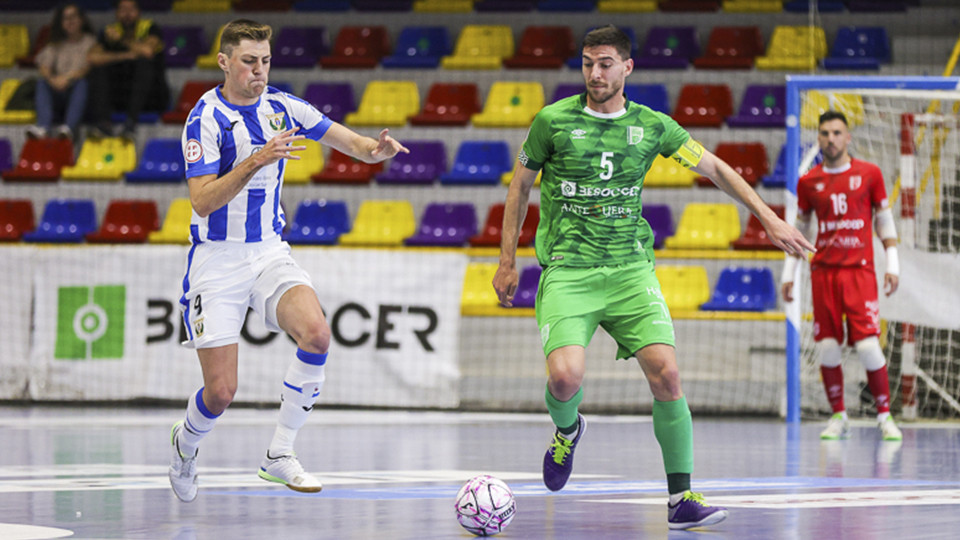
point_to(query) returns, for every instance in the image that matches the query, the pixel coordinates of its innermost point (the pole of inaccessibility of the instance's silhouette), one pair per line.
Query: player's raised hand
(280, 147)
(505, 283)
(387, 147)
(788, 238)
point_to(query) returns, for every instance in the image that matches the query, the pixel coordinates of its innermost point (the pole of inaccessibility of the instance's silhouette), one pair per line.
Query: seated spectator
(61, 93)
(127, 71)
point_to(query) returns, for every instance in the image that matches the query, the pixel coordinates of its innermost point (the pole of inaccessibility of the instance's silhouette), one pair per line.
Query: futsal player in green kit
(597, 255)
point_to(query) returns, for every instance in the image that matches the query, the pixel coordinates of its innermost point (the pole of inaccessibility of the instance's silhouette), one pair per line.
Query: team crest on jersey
(819, 186)
(855, 183)
(193, 151)
(198, 327)
(277, 121)
(578, 134)
(634, 135)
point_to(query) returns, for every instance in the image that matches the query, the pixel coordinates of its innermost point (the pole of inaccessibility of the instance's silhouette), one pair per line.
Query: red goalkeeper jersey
(843, 201)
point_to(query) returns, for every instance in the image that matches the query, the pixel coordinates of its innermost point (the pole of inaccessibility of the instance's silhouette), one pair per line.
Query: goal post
(909, 127)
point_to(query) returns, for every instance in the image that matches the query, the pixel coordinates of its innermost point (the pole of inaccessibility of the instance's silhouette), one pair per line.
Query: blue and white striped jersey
(219, 134)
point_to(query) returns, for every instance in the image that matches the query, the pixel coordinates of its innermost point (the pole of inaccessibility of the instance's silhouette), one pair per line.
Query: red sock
(833, 383)
(880, 388)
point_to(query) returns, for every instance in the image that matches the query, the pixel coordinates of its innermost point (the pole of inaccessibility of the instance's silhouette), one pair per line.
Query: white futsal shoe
(183, 470)
(889, 430)
(837, 428)
(286, 470)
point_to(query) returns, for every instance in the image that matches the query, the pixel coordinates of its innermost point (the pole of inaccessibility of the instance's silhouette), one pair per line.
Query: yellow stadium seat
(753, 6)
(706, 226)
(684, 288)
(794, 48)
(298, 171)
(506, 177)
(176, 225)
(209, 61)
(816, 103)
(510, 104)
(478, 286)
(105, 159)
(7, 88)
(14, 43)
(381, 223)
(386, 103)
(626, 6)
(481, 47)
(443, 6)
(201, 6)
(666, 172)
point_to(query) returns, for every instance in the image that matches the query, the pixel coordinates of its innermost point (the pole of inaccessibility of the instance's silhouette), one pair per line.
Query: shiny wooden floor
(101, 473)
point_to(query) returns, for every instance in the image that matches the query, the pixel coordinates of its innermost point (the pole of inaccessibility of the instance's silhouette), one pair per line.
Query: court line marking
(17, 531)
(841, 499)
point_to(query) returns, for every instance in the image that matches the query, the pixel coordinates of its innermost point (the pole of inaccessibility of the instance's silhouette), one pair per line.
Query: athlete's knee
(664, 381)
(218, 395)
(565, 380)
(316, 338)
(830, 352)
(870, 353)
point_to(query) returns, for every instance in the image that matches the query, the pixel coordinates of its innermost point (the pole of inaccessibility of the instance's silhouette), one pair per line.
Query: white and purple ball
(485, 505)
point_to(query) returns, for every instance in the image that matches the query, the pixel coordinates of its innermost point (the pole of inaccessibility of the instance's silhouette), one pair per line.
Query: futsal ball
(485, 505)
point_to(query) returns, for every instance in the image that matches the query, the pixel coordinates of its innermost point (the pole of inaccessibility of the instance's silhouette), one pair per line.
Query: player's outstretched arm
(782, 234)
(515, 209)
(360, 147)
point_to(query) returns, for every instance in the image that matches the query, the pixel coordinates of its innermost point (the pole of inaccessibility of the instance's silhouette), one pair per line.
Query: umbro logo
(578, 134)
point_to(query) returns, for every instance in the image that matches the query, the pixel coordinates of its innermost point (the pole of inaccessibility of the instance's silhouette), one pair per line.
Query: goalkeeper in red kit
(848, 196)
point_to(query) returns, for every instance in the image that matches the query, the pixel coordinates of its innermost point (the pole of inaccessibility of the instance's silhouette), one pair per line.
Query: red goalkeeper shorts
(849, 291)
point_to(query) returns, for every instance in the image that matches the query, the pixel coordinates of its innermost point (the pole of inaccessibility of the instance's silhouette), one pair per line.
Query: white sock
(675, 498)
(301, 385)
(198, 423)
(882, 417)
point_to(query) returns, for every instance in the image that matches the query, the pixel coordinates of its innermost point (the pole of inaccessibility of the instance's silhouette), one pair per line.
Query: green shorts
(625, 300)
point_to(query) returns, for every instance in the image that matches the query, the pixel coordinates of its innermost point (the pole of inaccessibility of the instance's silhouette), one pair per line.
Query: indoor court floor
(101, 473)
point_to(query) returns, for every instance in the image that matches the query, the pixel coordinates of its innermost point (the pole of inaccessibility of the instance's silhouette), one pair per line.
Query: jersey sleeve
(313, 123)
(878, 191)
(537, 148)
(201, 142)
(803, 203)
(673, 137)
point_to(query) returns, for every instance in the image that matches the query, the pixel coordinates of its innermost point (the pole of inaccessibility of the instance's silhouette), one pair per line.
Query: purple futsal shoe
(692, 511)
(558, 461)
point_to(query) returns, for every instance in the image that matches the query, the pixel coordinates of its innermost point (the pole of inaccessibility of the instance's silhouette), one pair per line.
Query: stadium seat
(162, 161)
(753, 6)
(665, 172)
(859, 48)
(445, 224)
(763, 106)
(386, 103)
(504, 5)
(41, 160)
(510, 104)
(689, 5)
(334, 100)
(542, 47)
(478, 286)
(507, 177)
(182, 45)
(299, 46)
(16, 218)
(661, 221)
(14, 43)
(669, 48)
(382, 5)
(261, 5)
(322, 5)
(6, 155)
(13, 116)
(201, 6)
(478, 163)
(103, 5)
(822, 6)
(43, 37)
(127, 222)
(754, 237)
(876, 6)
(576, 61)
(480, 47)
(816, 103)
(566, 5)
(64, 221)
(419, 47)
(106, 159)
(684, 288)
(794, 48)
(565, 90)
(778, 178)
(706, 226)
(651, 95)
(358, 47)
(448, 104)
(341, 168)
(299, 171)
(425, 163)
(743, 289)
(489, 236)
(190, 94)
(209, 60)
(176, 224)
(319, 222)
(526, 295)
(703, 105)
(443, 6)
(731, 47)
(381, 223)
(748, 159)
(626, 6)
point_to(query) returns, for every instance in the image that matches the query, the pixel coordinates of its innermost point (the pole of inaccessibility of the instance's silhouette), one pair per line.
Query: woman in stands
(62, 87)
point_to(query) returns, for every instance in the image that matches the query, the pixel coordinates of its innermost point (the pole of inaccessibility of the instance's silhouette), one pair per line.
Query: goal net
(909, 128)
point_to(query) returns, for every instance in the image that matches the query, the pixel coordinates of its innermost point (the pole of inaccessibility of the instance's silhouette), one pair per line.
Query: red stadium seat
(755, 236)
(341, 168)
(748, 159)
(358, 47)
(127, 222)
(41, 160)
(189, 95)
(448, 104)
(490, 234)
(703, 105)
(543, 47)
(731, 47)
(43, 37)
(16, 218)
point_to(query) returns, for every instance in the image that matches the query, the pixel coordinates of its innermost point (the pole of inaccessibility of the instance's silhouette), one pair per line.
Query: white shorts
(224, 279)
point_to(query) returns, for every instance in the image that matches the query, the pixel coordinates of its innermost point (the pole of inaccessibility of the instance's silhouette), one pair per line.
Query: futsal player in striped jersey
(235, 144)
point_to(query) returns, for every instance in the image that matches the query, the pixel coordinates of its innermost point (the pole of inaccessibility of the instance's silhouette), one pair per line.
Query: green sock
(673, 428)
(564, 413)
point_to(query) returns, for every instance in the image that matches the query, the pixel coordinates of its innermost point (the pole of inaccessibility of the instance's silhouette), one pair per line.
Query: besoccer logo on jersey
(278, 121)
(90, 322)
(568, 189)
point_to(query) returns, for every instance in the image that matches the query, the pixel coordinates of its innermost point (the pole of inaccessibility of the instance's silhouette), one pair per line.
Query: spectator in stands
(127, 70)
(61, 94)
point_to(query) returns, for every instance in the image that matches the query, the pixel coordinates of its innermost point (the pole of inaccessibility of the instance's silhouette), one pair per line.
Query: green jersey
(593, 169)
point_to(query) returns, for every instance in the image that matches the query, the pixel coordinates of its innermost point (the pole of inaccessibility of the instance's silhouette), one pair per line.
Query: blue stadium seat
(419, 47)
(526, 295)
(567, 5)
(823, 6)
(382, 5)
(479, 163)
(65, 221)
(743, 289)
(319, 222)
(651, 95)
(859, 48)
(322, 5)
(162, 161)
(778, 178)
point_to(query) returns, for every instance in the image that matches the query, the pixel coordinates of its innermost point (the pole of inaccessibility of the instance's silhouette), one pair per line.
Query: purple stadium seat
(526, 295)
(669, 48)
(425, 163)
(823, 6)
(859, 48)
(6, 155)
(182, 45)
(660, 220)
(876, 5)
(300, 46)
(576, 61)
(322, 5)
(445, 224)
(564, 90)
(762, 106)
(334, 100)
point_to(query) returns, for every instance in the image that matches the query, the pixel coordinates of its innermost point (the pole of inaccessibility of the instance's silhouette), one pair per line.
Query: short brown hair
(832, 115)
(236, 31)
(609, 35)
